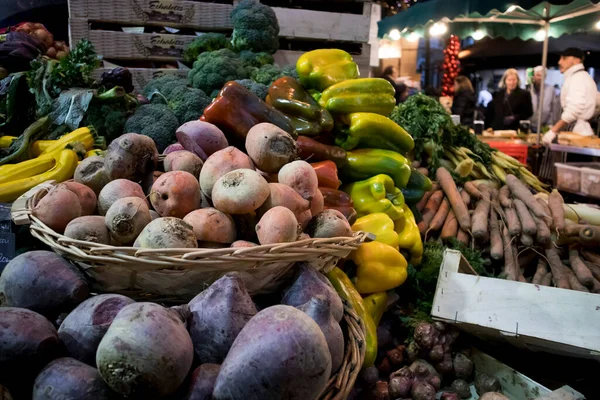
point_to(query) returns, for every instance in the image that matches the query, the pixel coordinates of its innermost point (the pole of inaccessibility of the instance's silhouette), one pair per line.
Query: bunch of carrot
(527, 236)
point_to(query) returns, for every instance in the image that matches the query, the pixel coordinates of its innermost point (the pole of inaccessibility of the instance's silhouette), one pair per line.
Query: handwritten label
(7, 249)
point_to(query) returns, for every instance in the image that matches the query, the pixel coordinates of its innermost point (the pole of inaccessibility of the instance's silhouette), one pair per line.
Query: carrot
(481, 214)
(496, 250)
(504, 197)
(590, 235)
(595, 288)
(430, 210)
(521, 192)
(450, 228)
(592, 257)
(526, 240)
(424, 171)
(575, 284)
(463, 237)
(440, 216)
(512, 220)
(472, 190)
(547, 279)
(540, 272)
(522, 277)
(560, 272)
(510, 269)
(421, 204)
(549, 221)
(458, 206)
(556, 206)
(594, 269)
(543, 234)
(527, 222)
(582, 272)
(466, 197)
(526, 258)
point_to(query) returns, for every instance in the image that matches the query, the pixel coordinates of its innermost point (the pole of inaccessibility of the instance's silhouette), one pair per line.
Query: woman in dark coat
(390, 74)
(464, 100)
(510, 105)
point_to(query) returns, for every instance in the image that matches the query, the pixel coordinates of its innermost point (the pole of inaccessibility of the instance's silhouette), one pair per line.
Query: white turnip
(300, 176)
(126, 218)
(147, 351)
(270, 147)
(131, 156)
(278, 225)
(240, 192)
(280, 353)
(175, 194)
(218, 314)
(57, 208)
(115, 190)
(90, 228)
(212, 225)
(220, 163)
(165, 233)
(85, 326)
(329, 223)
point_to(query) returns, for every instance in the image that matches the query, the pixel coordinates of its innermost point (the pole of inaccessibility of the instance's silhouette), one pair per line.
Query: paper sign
(7, 249)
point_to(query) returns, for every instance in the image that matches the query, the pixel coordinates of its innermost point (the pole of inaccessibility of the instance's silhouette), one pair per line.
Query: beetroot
(173, 147)
(146, 351)
(131, 156)
(309, 284)
(203, 382)
(28, 341)
(280, 353)
(85, 326)
(67, 378)
(44, 282)
(319, 309)
(218, 314)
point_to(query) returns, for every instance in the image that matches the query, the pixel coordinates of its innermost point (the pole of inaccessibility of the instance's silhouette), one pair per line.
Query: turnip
(304, 218)
(270, 147)
(212, 225)
(203, 135)
(300, 176)
(183, 161)
(218, 314)
(329, 223)
(131, 156)
(175, 194)
(90, 228)
(67, 378)
(115, 190)
(173, 147)
(28, 341)
(311, 283)
(240, 191)
(42, 281)
(202, 382)
(83, 329)
(57, 208)
(165, 233)
(280, 353)
(87, 197)
(126, 218)
(91, 173)
(147, 351)
(283, 195)
(220, 163)
(278, 225)
(243, 243)
(154, 215)
(319, 309)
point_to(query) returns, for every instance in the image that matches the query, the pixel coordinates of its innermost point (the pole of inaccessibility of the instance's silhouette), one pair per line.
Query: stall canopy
(530, 19)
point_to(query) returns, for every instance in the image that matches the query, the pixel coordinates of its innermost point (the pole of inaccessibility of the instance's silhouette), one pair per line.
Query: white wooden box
(525, 315)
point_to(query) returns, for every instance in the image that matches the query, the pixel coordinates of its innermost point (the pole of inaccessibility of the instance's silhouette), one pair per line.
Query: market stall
(257, 231)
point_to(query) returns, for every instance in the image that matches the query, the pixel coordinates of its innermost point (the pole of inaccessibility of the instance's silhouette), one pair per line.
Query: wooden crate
(130, 46)
(141, 76)
(525, 315)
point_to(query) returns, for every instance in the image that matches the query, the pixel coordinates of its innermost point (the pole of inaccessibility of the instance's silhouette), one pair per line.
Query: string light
(478, 34)
(413, 37)
(438, 29)
(540, 35)
(451, 65)
(598, 25)
(394, 34)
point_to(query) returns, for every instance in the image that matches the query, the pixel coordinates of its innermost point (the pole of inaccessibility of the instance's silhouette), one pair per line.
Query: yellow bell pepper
(379, 267)
(379, 224)
(409, 237)
(375, 305)
(376, 194)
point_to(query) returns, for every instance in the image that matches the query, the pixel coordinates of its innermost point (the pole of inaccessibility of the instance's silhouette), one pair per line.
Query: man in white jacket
(577, 98)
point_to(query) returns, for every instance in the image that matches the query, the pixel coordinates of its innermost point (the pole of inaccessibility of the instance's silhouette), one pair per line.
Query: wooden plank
(552, 319)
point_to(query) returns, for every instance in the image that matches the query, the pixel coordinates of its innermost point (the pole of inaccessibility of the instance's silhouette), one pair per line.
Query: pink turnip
(173, 147)
(126, 218)
(90, 228)
(87, 197)
(175, 194)
(183, 161)
(270, 147)
(220, 163)
(300, 176)
(283, 195)
(240, 192)
(212, 225)
(278, 225)
(165, 233)
(329, 223)
(115, 190)
(57, 208)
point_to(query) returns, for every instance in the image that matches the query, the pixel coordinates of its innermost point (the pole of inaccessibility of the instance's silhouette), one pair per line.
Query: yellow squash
(26, 169)
(84, 135)
(6, 141)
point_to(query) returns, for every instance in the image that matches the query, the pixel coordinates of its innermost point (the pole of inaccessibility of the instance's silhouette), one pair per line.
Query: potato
(212, 225)
(240, 192)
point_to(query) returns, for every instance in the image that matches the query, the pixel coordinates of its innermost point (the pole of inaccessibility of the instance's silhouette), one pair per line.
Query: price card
(7, 249)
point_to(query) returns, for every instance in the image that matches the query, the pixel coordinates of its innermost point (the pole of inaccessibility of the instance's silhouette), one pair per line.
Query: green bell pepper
(370, 130)
(365, 163)
(373, 95)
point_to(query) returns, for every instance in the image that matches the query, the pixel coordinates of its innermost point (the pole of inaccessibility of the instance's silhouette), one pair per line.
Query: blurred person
(485, 95)
(550, 102)
(510, 104)
(390, 74)
(577, 97)
(464, 100)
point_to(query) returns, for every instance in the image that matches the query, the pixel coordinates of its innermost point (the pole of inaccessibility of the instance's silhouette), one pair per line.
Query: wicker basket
(180, 274)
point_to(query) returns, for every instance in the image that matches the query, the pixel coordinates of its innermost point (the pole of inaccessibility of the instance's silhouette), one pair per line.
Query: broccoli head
(164, 84)
(258, 89)
(267, 74)
(215, 68)
(156, 121)
(290, 70)
(255, 27)
(108, 112)
(188, 103)
(203, 43)
(255, 60)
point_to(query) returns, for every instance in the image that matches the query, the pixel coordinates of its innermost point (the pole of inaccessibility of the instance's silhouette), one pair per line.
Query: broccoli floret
(215, 68)
(108, 112)
(267, 74)
(156, 121)
(255, 60)
(258, 89)
(255, 27)
(290, 70)
(206, 42)
(188, 103)
(164, 84)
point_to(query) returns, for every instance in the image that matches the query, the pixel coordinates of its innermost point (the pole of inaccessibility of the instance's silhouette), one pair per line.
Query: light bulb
(413, 37)
(394, 34)
(598, 25)
(438, 29)
(478, 34)
(540, 35)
